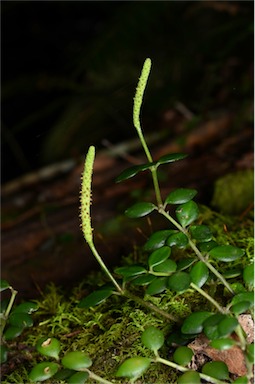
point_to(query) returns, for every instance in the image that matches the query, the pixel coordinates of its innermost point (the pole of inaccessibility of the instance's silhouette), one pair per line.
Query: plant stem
(156, 187)
(183, 369)
(196, 250)
(8, 310)
(97, 378)
(211, 267)
(104, 267)
(208, 297)
(150, 306)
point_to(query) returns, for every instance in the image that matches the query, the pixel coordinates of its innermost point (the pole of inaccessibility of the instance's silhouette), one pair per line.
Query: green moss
(234, 193)
(111, 332)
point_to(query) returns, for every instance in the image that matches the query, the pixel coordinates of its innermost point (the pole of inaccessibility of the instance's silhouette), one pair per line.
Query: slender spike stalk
(104, 267)
(138, 99)
(85, 212)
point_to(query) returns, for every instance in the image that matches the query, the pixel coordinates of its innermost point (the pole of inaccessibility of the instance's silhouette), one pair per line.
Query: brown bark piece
(232, 357)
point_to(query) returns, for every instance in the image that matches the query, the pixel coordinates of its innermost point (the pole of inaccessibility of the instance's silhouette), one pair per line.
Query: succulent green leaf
(4, 354)
(13, 331)
(78, 378)
(206, 246)
(222, 344)
(185, 263)
(200, 233)
(171, 158)
(158, 256)
(189, 377)
(132, 171)
(157, 286)
(250, 352)
(194, 323)
(168, 266)
(157, 239)
(48, 346)
(216, 369)
(63, 374)
(153, 338)
(238, 288)
(143, 279)
(241, 380)
(177, 338)
(95, 298)
(43, 371)
(3, 305)
(27, 307)
(187, 213)
(211, 326)
(227, 326)
(248, 275)
(244, 296)
(180, 196)
(177, 239)
(240, 307)
(20, 320)
(76, 360)
(133, 367)
(232, 273)
(199, 274)
(130, 271)
(226, 253)
(140, 210)
(179, 281)
(4, 285)
(183, 355)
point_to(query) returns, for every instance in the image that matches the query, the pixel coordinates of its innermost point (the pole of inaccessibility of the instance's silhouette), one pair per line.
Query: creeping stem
(196, 250)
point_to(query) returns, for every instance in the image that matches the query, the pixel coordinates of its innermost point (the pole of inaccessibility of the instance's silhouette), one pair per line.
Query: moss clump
(234, 193)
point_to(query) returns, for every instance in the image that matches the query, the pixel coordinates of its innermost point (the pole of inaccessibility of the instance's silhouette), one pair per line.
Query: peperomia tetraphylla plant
(162, 272)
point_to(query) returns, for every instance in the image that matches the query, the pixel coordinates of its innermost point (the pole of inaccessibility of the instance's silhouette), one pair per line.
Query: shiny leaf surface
(43, 371)
(158, 256)
(226, 253)
(140, 210)
(187, 213)
(179, 281)
(76, 360)
(199, 274)
(95, 298)
(194, 323)
(133, 367)
(180, 196)
(153, 338)
(216, 369)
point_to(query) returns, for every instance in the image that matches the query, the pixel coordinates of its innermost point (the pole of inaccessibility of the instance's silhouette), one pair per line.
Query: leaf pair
(133, 171)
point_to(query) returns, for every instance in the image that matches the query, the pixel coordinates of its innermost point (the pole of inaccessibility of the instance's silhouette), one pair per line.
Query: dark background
(69, 71)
